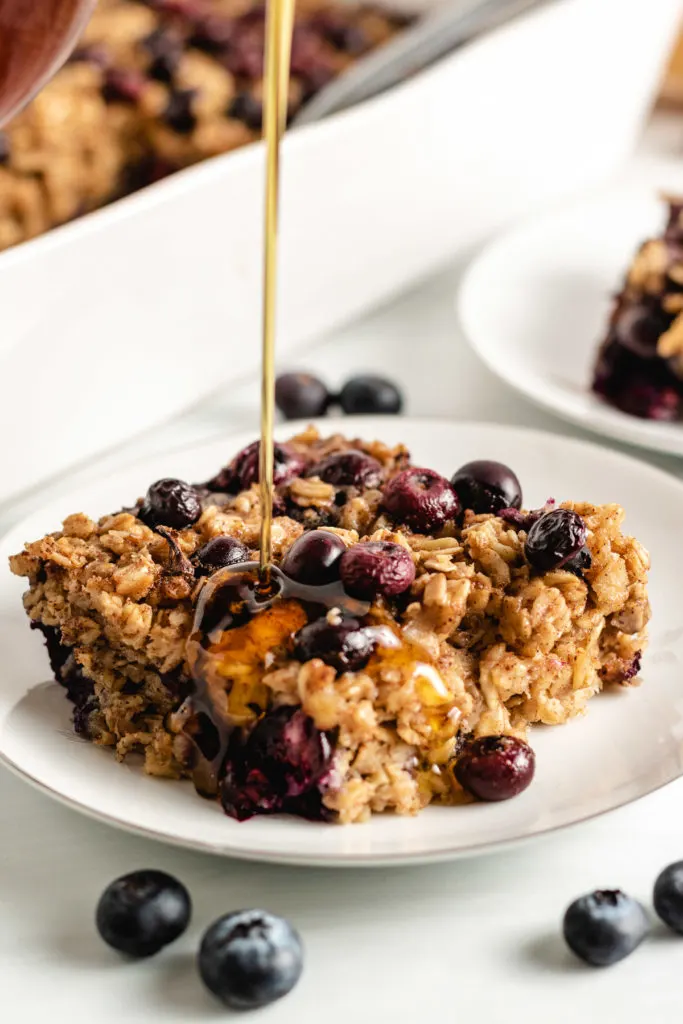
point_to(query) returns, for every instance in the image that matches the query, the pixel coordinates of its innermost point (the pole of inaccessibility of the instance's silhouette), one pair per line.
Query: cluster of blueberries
(607, 925)
(248, 958)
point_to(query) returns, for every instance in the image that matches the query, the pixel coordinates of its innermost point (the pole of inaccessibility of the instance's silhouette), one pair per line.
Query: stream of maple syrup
(279, 29)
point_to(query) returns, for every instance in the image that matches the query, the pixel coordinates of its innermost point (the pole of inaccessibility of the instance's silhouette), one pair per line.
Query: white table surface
(475, 940)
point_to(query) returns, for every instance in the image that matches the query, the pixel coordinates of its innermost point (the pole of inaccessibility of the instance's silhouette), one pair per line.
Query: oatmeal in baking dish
(410, 620)
(156, 86)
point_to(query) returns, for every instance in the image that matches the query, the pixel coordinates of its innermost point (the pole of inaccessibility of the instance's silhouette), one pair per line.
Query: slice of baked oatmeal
(639, 368)
(404, 626)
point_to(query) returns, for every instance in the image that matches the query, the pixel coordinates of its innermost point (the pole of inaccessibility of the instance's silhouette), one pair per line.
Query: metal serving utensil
(443, 29)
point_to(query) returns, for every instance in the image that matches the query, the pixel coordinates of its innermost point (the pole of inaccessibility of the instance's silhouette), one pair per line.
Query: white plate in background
(125, 317)
(629, 743)
(535, 304)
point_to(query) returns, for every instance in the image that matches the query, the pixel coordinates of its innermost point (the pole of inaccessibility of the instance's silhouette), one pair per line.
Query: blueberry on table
(554, 540)
(298, 395)
(377, 568)
(370, 395)
(170, 502)
(495, 768)
(486, 486)
(420, 499)
(313, 558)
(140, 913)
(668, 896)
(605, 926)
(250, 958)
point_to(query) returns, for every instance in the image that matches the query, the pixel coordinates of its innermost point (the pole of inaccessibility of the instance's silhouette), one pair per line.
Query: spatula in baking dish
(448, 26)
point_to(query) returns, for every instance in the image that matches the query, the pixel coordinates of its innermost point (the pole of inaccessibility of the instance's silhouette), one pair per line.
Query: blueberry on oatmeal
(342, 643)
(220, 552)
(314, 559)
(556, 541)
(171, 503)
(348, 469)
(484, 486)
(420, 499)
(377, 568)
(243, 471)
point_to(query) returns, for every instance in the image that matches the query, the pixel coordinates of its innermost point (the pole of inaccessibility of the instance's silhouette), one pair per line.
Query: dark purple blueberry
(248, 109)
(348, 469)
(142, 912)
(178, 114)
(668, 896)
(604, 927)
(555, 539)
(314, 558)
(368, 394)
(647, 388)
(421, 499)
(250, 958)
(122, 86)
(166, 49)
(495, 767)
(243, 471)
(650, 402)
(281, 761)
(170, 503)
(377, 568)
(219, 552)
(346, 645)
(484, 486)
(638, 329)
(298, 395)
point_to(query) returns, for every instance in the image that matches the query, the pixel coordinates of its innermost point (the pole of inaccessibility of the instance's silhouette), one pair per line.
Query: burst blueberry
(351, 468)
(243, 471)
(377, 568)
(420, 499)
(170, 502)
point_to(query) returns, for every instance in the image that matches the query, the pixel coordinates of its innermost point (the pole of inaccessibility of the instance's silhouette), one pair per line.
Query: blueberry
(368, 394)
(219, 552)
(421, 499)
(142, 912)
(243, 471)
(604, 927)
(171, 503)
(314, 558)
(377, 568)
(250, 958)
(298, 395)
(345, 645)
(668, 891)
(495, 767)
(485, 486)
(351, 468)
(555, 540)
(638, 329)
(277, 767)
(179, 114)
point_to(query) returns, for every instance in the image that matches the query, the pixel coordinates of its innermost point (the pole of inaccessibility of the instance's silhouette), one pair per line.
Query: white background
(469, 941)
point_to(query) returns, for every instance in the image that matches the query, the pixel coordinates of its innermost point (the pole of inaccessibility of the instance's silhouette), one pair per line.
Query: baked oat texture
(155, 86)
(511, 647)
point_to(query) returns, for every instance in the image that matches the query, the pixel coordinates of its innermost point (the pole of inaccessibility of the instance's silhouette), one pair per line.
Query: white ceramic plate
(535, 305)
(629, 744)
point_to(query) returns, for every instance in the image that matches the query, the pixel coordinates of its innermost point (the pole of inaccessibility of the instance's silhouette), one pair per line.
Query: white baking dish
(116, 321)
